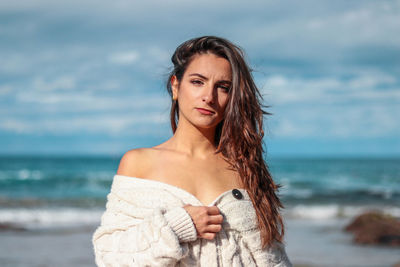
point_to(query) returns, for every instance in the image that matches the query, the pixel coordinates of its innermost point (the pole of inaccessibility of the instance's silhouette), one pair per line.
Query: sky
(88, 77)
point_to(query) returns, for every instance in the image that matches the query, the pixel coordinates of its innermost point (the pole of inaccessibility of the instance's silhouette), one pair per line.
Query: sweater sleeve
(131, 235)
(276, 256)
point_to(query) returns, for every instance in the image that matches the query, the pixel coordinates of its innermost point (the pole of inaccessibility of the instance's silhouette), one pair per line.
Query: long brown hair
(239, 135)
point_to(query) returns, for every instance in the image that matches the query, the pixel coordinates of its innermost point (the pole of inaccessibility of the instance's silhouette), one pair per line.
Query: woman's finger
(213, 228)
(213, 210)
(209, 236)
(215, 219)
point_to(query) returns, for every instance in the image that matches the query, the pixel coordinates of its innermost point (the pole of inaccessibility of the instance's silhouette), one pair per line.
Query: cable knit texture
(145, 224)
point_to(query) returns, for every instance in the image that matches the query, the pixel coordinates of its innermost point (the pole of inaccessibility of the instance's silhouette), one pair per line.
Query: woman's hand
(207, 220)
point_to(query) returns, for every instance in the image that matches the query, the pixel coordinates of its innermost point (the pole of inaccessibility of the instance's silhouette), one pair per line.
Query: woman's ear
(174, 85)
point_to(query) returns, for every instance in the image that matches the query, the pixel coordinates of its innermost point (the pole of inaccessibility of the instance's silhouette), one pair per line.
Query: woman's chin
(206, 126)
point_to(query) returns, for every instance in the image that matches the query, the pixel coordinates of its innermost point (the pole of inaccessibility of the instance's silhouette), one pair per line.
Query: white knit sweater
(145, 224)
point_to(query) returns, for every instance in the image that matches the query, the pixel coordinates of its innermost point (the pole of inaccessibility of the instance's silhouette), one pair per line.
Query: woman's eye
(197, 82)
(225, 88)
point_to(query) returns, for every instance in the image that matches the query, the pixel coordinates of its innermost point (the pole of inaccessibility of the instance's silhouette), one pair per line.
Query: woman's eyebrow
(197, 74)
(205, 78)
(225, 81)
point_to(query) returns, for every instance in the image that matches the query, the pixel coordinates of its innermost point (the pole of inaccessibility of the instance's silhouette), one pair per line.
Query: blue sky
(88, 77)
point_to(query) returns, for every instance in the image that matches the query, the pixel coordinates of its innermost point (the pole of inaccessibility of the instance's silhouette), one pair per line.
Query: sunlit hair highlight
(239, 136)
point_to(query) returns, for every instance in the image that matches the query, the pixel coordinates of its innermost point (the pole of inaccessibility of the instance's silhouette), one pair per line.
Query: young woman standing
(204, 197)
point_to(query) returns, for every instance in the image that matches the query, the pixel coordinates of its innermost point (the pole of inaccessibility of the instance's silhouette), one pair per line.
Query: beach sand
(45, 248)
(323, 243)
(308, 243)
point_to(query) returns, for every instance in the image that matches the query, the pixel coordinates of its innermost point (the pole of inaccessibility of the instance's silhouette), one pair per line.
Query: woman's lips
(205, 111)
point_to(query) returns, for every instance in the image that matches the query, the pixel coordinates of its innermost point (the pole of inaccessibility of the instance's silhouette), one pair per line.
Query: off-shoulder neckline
(159, 183)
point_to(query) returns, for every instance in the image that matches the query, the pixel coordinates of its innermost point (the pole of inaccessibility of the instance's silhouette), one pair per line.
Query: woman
(204, 197)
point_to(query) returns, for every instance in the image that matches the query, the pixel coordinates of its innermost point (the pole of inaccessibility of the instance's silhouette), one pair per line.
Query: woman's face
(204, 86)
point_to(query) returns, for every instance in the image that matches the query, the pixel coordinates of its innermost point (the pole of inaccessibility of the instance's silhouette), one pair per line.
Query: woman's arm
(134, 236)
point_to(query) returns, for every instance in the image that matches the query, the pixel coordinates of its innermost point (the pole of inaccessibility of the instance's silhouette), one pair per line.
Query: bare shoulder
(135, 162)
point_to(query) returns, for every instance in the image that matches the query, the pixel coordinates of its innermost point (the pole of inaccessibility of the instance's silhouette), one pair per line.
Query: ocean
(61, 191)
(59, 202)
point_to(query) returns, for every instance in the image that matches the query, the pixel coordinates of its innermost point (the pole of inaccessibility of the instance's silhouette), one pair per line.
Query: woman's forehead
(210, 65)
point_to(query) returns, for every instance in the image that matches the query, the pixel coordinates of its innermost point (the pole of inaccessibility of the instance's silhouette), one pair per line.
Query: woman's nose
(208, 95)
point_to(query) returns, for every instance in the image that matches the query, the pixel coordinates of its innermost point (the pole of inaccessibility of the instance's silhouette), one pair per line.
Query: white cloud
(99, 123)
(124, 57)
(89, 101)
(336, 122)
(335, 108)
(287, 127)
(280, 89)
(59, 83)
(78, 111)
(371, 81)
(17, 126)
(13, 63)
(5, 89)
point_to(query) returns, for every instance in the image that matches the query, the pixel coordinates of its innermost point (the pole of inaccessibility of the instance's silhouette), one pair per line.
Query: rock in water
(10, 227)
(374, 227)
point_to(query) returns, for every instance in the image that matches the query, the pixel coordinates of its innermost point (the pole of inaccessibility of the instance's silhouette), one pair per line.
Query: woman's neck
(192, 141)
